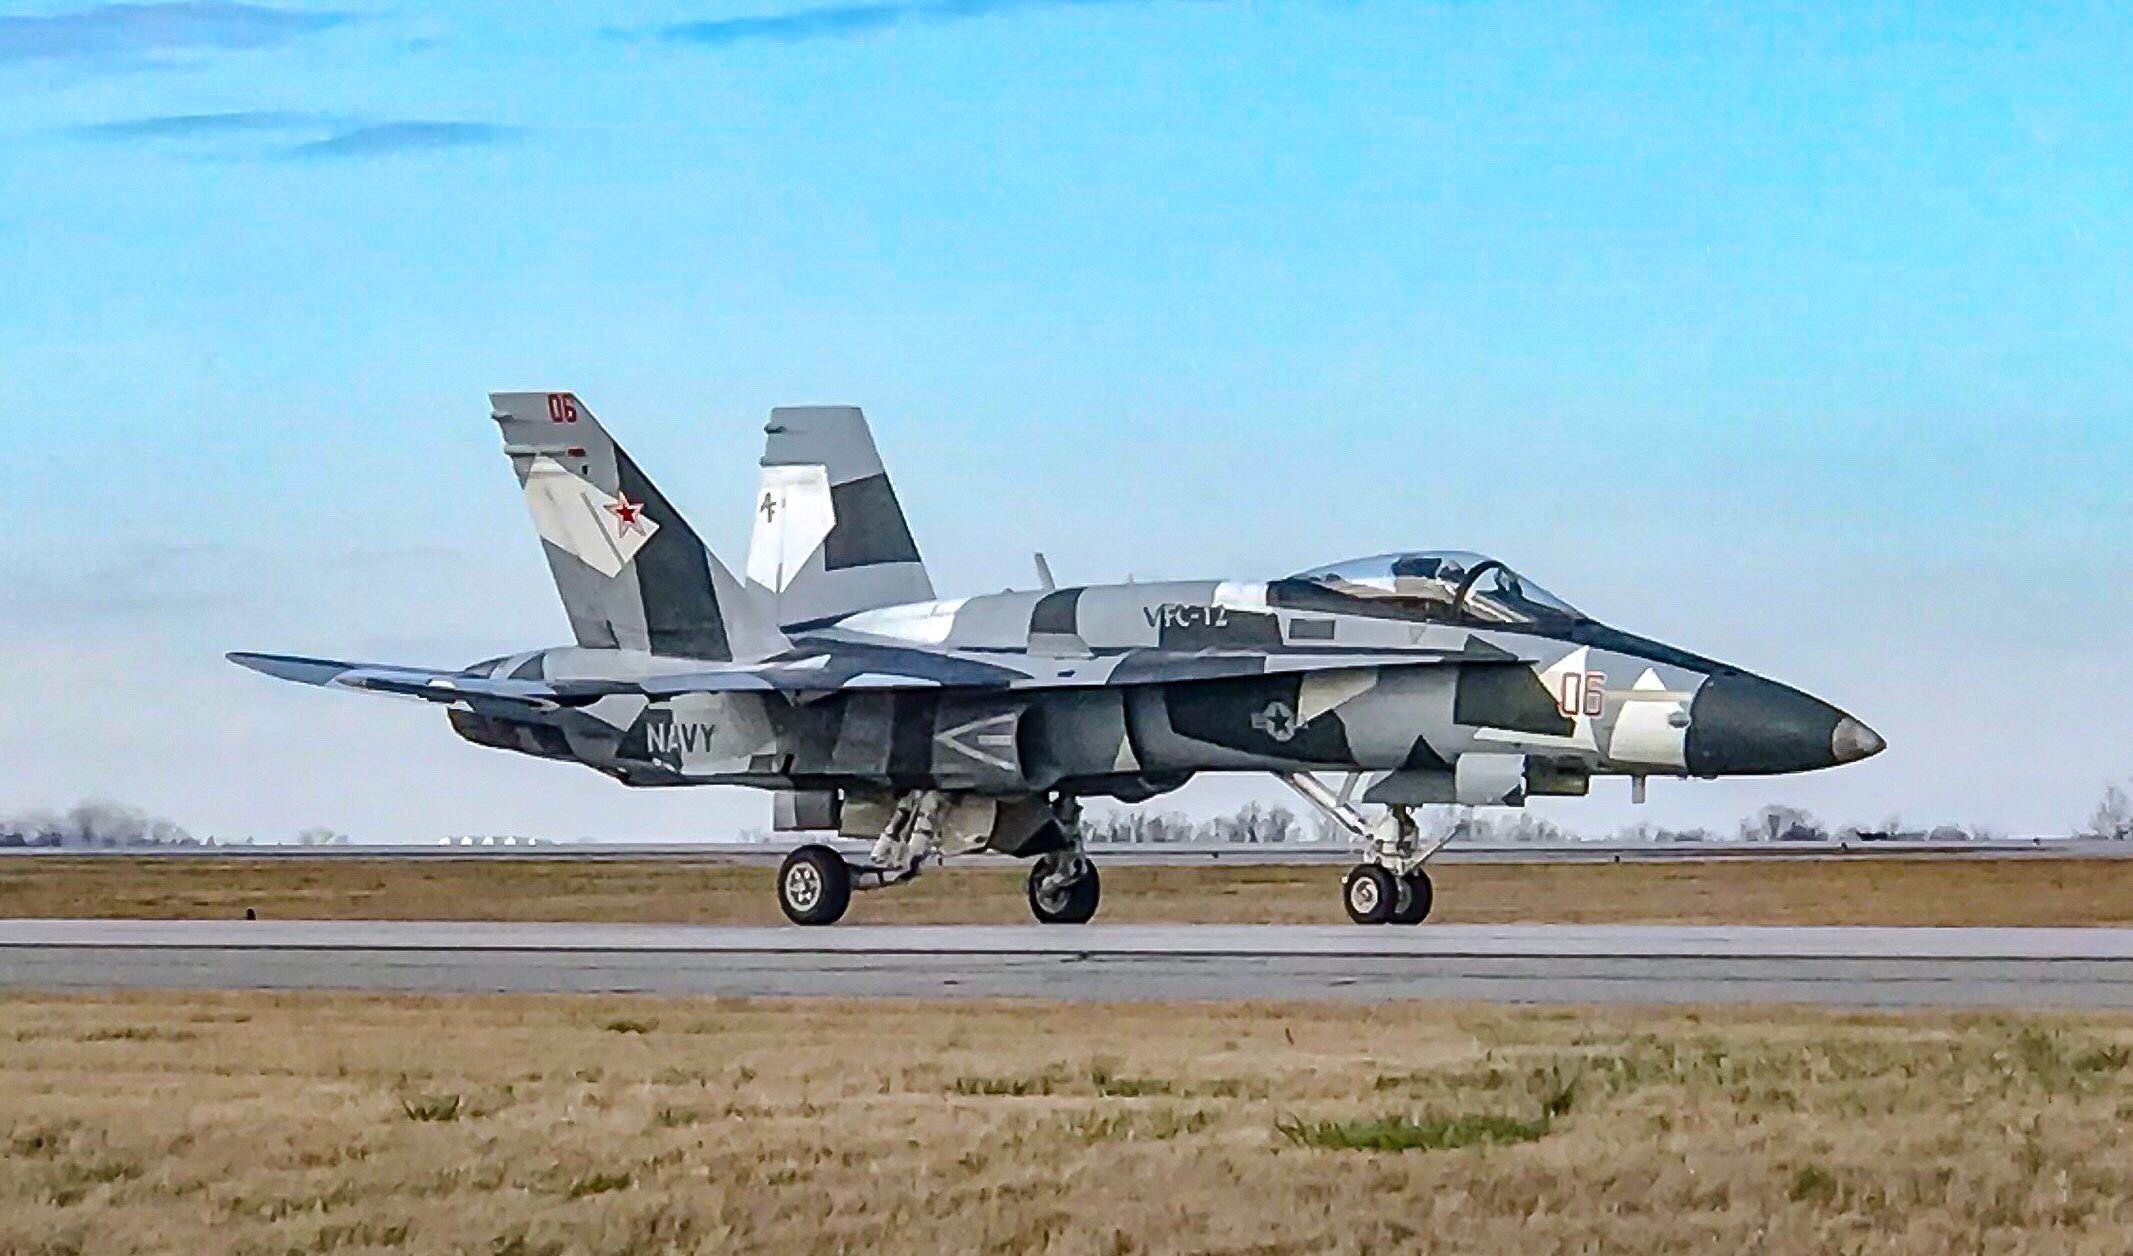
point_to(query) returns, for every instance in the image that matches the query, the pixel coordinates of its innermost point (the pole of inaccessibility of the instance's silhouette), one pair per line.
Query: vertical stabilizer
(830, 537)
(632, 573)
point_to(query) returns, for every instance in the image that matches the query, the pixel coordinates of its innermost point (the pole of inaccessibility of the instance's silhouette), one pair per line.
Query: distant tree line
(1250, 825)
(104, 825)
(2113, 819)
(93, 825)
(1257, 824)
(113, 826)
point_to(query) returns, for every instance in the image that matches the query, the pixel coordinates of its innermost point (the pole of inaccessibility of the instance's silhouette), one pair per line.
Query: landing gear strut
(1389, 886)
(912, 834)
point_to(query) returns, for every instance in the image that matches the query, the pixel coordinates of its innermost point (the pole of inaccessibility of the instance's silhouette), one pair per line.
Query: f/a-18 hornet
(832, 675)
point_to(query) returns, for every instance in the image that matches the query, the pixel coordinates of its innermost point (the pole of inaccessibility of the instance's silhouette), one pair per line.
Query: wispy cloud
(838, 21)
(292, 135)
(142, 584)
(170, 586)
(190, 125)
(384, 138)
(123, 30)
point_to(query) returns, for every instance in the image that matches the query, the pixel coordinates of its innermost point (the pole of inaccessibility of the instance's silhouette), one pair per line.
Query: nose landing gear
(1374, 896)
(1389, 886)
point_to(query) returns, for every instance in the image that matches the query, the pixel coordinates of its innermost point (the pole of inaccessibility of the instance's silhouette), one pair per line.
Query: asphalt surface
(1326, 854)
(1559, 964)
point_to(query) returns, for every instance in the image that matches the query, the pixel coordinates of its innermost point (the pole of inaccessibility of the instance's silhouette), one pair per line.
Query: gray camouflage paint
(1449, 679)
(830, 536)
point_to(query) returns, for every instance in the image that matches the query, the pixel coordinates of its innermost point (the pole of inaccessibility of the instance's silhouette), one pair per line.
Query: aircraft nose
(1744, 725)
(1854, 741)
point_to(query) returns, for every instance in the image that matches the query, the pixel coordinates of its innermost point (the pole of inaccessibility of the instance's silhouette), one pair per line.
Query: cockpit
(1448, 585)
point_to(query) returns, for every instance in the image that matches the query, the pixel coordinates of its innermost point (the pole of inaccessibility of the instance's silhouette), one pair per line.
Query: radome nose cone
(1744, 725)
(1854, 741)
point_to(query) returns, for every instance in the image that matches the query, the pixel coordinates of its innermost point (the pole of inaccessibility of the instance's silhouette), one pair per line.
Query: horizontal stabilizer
(288, 667)
(428, 685)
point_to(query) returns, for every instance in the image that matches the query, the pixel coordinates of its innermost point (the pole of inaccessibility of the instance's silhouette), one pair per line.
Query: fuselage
(1131, 689)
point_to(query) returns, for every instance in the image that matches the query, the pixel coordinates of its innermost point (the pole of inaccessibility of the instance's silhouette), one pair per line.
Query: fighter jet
(831, 675)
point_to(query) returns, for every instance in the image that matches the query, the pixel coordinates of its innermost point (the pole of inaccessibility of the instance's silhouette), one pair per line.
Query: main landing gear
(1064, 888)
(815, 886)
(1390, 885)
(816, 883)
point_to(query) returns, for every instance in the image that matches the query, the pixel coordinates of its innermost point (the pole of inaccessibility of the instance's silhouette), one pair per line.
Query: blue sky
(1797, 335)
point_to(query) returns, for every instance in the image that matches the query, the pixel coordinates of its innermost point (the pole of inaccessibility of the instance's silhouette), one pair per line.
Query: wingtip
(289, 667)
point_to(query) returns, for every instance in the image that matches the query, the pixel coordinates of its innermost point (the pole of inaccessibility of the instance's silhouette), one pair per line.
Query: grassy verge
(321, 1123)
(1411, 1133)
(1849, 891)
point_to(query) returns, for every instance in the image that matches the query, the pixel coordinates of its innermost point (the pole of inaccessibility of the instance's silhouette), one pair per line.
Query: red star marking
(628, 513)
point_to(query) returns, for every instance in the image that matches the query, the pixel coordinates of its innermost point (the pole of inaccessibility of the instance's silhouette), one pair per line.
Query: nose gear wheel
(1370, 894)
(1416, 897)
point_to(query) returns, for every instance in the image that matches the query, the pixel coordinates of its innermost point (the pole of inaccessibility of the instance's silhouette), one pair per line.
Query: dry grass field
(330, 1123)
(1859, 890)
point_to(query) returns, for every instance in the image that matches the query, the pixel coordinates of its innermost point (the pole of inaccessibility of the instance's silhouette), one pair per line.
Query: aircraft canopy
(1444, 584)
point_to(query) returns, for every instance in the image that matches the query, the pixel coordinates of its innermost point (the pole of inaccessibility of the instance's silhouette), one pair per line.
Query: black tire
(1074, 905)
(1417, 896)
(814, 886)
(1370, 893)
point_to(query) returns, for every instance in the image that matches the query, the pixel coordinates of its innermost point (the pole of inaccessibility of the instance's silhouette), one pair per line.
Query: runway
(1555, 964)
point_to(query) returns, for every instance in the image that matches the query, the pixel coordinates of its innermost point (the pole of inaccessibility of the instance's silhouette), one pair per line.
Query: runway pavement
(1184, 855)
(1563, 964)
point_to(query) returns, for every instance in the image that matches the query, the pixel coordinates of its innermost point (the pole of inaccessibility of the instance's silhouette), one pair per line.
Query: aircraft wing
(542, 696)
(845, 668)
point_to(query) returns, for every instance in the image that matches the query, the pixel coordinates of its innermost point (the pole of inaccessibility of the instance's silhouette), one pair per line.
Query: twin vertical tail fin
(830, 537)
(632, 573)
